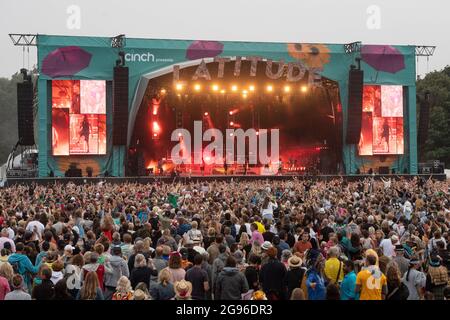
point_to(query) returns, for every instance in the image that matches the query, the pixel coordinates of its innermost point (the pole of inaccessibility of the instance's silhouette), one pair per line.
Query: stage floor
(169, 179)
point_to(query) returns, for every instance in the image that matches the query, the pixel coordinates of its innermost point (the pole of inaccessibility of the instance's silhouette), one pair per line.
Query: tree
(437, 146)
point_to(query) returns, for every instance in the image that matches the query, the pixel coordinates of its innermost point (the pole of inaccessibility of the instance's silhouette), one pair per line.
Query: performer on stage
(160, 166)
(85, 130)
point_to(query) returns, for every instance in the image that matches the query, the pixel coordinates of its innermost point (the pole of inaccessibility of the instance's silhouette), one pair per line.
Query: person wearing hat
(294, 276)
(437, 278)
(400, 259)
(183, 290)
(17, 293)
(414, 279)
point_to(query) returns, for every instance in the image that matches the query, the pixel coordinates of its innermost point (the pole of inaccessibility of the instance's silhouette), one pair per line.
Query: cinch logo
(140, 57)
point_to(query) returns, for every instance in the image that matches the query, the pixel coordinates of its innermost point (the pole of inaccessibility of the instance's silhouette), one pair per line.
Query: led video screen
(382, 121)
(78, 117)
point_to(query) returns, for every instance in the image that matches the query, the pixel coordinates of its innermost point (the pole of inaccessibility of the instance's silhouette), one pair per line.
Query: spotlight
(231, 113)
(179, 135)
(222, 91)
(269, 88)
(163, 91)
(155, 134)
(304, 89)
(206, 114)
(234, 88)
(251, 88)
(215, 87)
(231, 123)
(245, 92)
(244, 96)
(287, 89)
(179, 86)
(257, 133)
(231, 134)
(197, 87)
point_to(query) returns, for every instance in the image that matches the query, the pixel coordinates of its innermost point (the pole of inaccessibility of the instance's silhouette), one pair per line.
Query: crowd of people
(286, 239)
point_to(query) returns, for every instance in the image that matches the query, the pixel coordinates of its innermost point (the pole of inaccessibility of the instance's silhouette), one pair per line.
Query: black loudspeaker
(120, 106)
(383, 170)
(355, 100)
(73, 172)
(25, 113)
(424, 120)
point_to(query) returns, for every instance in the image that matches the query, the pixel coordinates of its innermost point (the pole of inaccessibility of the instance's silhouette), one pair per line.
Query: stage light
(304, 89)
(197, 87)
(179, 135)
(244, 95)
(215, 87)
(155, 134)
(257, 133)
(156, 127)
(207, 159)
(179, 86)
(163, 91)
(206, 114)
(231, 113)
(222, 91)
(251, 88)
(269, 88)
(234, 88)
(231, 134)
(244, 92)
(287, 89)
(231, 123)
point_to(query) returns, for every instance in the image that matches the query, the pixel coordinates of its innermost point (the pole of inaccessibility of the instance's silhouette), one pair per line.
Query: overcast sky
(415, 22)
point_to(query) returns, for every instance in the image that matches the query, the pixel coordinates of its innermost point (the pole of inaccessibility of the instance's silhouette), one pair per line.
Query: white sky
(417, 22)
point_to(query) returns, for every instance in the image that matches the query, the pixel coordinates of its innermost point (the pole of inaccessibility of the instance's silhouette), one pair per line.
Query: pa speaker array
(25, 113)
(120, 105)
(355, 100)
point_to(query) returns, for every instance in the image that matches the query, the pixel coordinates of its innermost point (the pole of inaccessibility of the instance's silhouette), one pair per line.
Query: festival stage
(210, 178)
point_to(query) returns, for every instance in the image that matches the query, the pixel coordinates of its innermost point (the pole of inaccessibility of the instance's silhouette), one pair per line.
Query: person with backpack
(22, 265)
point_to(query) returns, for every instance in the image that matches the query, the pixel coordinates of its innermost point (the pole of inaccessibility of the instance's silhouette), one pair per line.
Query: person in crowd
(142, 271)
(295, 274)
(198, 278)
(348, 284)
(397, 290)
(437, 277)
(164, 290)
(177, 273)
(272, 276)
(415, 280)
(230, 283)
(123, 290)
(91, 289)
(61, 292)
(183, 290)
(119, 268)
(46, 289)
(315, 281)
(371, 282)
(22, 264)
(18, 292)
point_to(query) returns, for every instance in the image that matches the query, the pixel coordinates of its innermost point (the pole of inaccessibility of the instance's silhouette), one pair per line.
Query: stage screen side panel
(93, 97)
(60, 131)
(78, 117)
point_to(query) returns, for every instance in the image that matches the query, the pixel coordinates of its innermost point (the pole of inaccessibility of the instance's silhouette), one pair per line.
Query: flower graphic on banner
(313, 55)
(65, 61)
(204, 49)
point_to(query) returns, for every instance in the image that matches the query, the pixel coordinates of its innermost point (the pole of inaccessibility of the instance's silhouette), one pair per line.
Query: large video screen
(78, 117)
(382, 121)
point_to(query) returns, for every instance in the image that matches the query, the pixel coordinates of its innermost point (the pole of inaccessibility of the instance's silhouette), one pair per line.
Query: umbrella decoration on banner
(383, 58)
(65, 61)
(204, 49)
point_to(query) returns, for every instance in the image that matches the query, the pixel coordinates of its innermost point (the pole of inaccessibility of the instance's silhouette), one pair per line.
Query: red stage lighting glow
(156, 127)
(231, 113)
(206, 114)
(231, 123)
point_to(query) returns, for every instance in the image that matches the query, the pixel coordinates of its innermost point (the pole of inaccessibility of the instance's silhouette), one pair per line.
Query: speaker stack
(120, 105)
(355, 101)
(25, 119)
